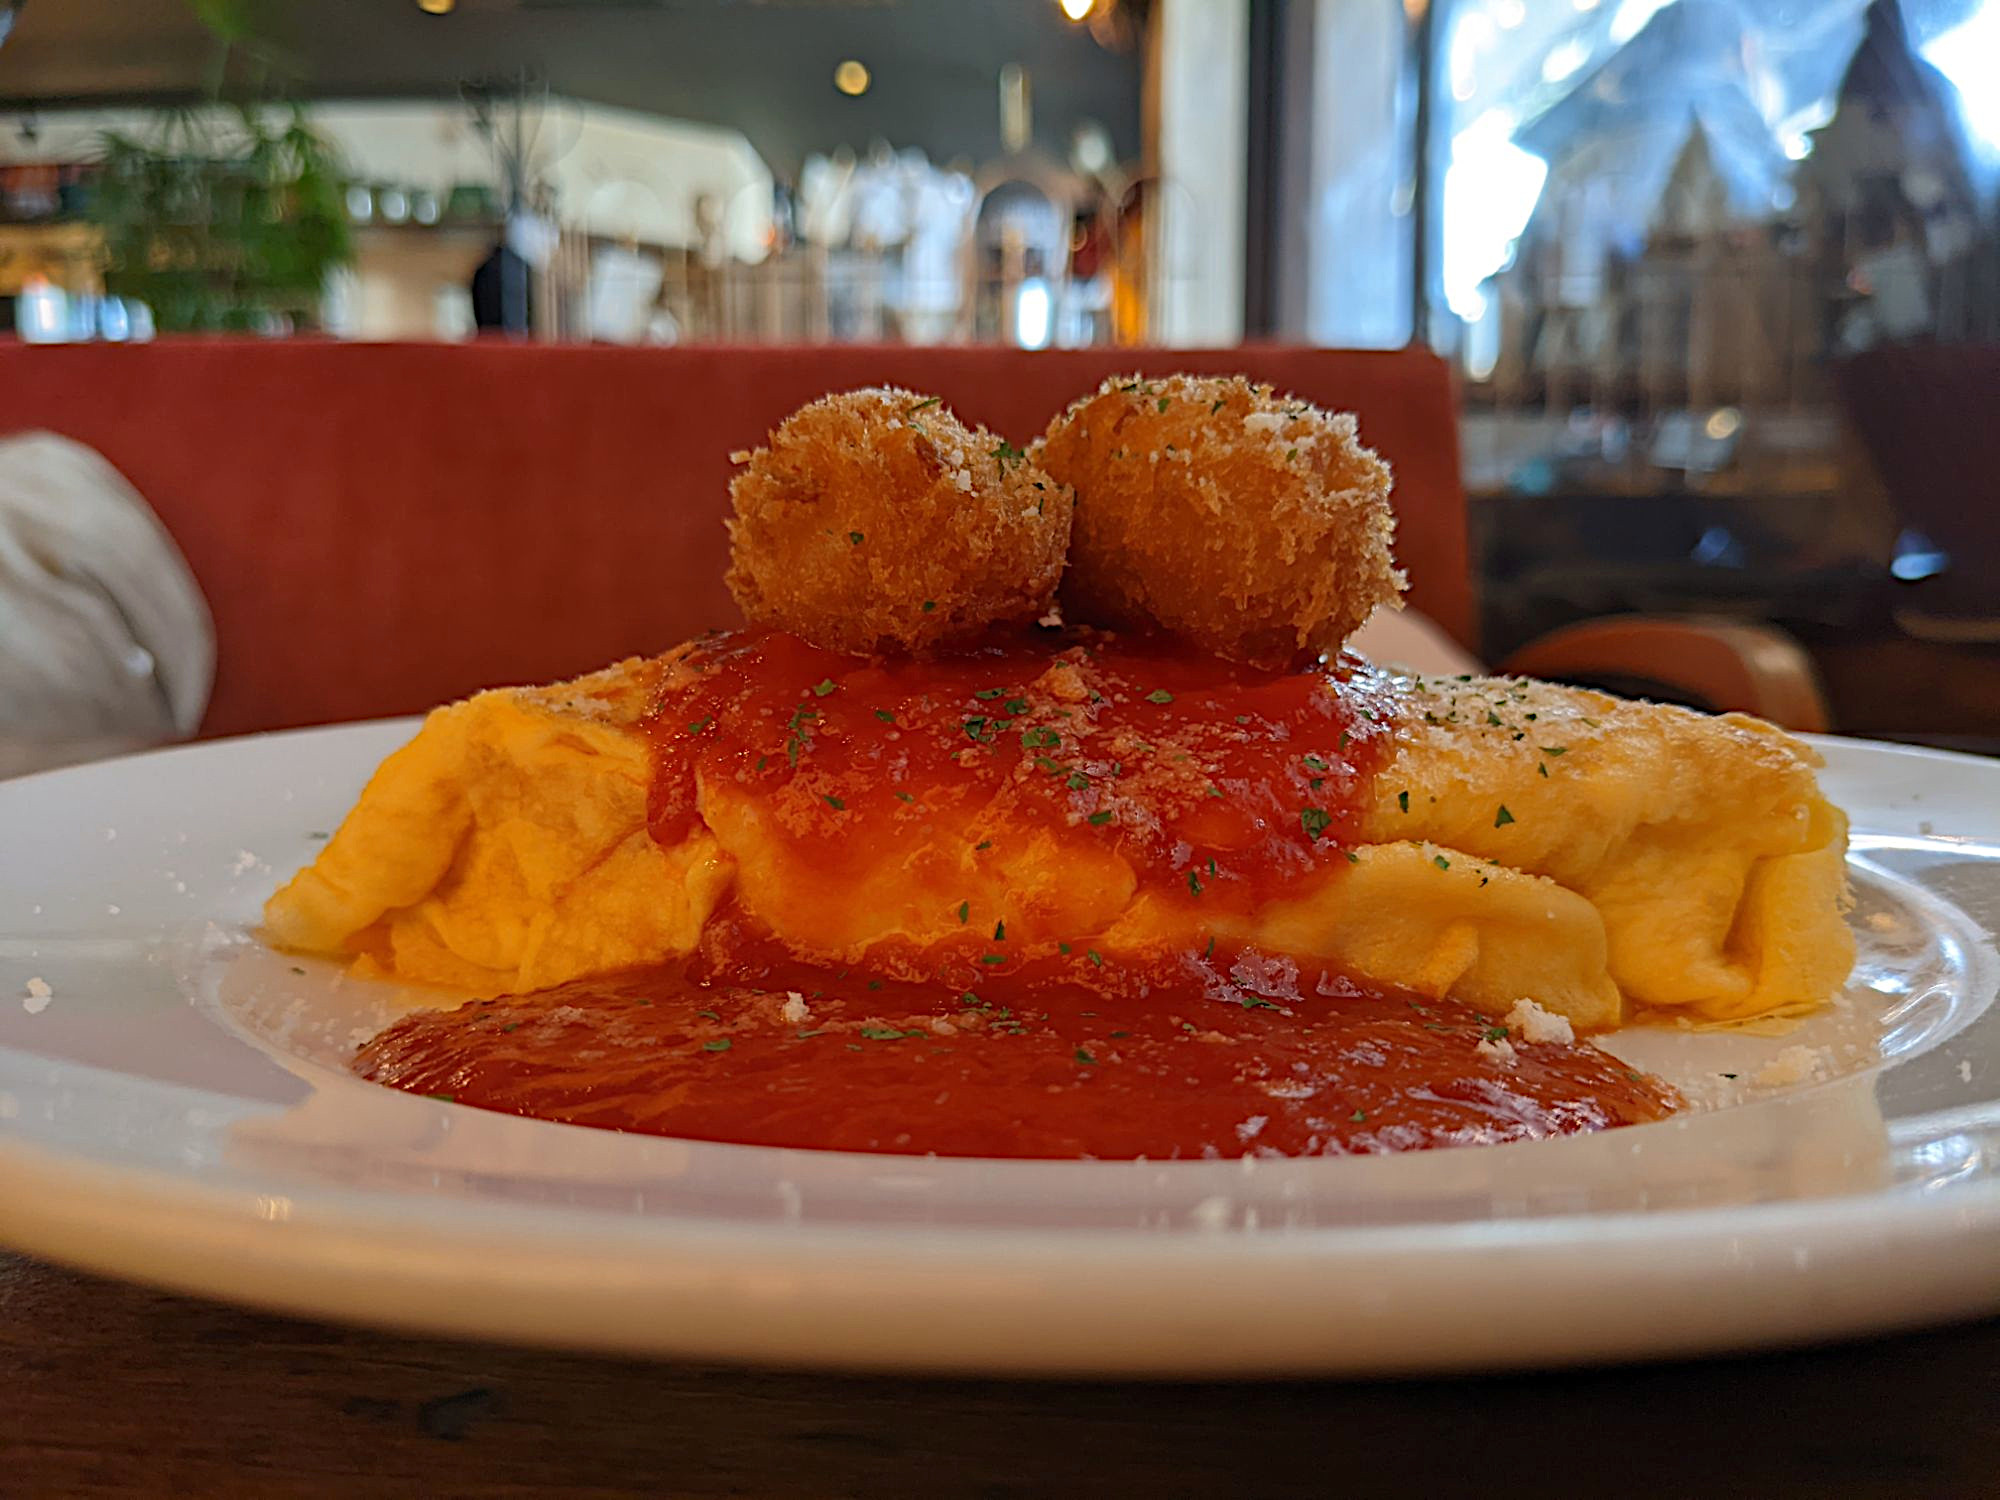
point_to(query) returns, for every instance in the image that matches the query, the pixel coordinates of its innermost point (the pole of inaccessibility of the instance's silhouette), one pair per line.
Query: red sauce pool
(1010, 1036)
(1058, 1059)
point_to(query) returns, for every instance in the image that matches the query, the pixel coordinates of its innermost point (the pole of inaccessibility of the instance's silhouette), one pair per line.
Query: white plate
(174, 1110)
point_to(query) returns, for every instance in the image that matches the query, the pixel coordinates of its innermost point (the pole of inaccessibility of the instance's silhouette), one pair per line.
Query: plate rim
(213, 1236)
(1705, 1281)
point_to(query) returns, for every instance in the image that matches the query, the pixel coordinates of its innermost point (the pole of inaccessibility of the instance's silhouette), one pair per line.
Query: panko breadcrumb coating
(1251, 524)
(876, 521)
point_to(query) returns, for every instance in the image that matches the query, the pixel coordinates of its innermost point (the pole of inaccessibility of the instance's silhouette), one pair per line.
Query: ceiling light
(851, 78)
(436, 7)
(1076, 10)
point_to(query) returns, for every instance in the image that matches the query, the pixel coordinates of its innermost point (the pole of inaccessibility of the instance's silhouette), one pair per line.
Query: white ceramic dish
(173, 1109)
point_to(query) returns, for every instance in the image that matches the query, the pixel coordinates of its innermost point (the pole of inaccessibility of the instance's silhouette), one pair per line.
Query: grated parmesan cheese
(1538, 1025)
(1796, 1064)
(1500, 1049)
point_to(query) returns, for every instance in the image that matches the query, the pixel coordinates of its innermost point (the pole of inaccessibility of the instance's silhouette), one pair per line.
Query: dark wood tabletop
(108, 1389)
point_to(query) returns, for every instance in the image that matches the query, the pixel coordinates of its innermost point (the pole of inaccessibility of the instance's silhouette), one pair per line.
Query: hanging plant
(228, 216)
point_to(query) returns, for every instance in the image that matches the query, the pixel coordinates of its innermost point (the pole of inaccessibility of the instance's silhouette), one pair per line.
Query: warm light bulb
(851, 78)
(1076, 10)
(436, 7)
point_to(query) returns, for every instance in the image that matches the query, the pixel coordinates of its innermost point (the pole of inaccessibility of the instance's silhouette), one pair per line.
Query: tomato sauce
(1218, 785)
(1194, 1057)
(1215, 782)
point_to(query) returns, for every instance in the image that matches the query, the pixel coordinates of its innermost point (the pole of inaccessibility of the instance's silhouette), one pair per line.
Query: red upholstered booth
(379, 528)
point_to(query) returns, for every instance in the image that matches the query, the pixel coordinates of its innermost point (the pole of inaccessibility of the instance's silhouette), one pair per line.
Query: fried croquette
(875, 521)
(1254, 525)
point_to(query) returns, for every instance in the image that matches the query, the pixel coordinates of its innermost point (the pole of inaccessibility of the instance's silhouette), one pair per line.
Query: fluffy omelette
(1511, 839)
(1076, 791)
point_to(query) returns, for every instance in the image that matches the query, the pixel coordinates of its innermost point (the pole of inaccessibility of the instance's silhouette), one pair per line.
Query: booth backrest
(382, 527)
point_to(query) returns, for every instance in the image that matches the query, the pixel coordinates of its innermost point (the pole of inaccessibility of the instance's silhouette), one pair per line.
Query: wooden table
(108, 1389)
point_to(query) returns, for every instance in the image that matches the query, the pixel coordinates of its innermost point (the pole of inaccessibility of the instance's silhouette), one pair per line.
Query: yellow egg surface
(1488, 839)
